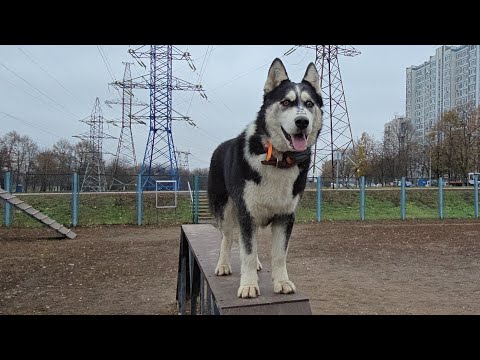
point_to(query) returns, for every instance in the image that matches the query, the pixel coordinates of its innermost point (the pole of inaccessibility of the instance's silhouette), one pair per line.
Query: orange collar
(288, 160)
(269, 150)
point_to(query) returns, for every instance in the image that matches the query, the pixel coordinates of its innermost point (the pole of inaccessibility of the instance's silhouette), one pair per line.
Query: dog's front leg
(248, 257)
(281, 230)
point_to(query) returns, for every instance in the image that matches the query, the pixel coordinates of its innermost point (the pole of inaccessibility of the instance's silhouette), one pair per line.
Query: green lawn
(385, 204)
(102, 209)
(114, 208)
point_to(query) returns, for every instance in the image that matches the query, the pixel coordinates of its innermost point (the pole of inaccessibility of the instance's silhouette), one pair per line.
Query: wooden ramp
(199, 290)
(37, 215)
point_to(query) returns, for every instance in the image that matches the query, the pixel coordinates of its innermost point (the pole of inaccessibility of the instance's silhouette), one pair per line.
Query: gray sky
(60, 84)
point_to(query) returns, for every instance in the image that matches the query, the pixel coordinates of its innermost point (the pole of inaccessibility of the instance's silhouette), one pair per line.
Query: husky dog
(257, 178)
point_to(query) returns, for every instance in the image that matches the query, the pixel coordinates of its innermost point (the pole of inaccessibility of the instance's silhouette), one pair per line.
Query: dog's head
(292, 111)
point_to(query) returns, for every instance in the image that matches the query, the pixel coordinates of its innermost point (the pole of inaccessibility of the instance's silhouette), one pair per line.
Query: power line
(195, 126)
(301, 61)
(103, 55)
(223, 102)
(31, 124)
(200, 75)
(206, 162)
(243, 75)
(184, 66)
(41, 92)
(35, 97)
(206, 133)
(105, 61)
(30, 57)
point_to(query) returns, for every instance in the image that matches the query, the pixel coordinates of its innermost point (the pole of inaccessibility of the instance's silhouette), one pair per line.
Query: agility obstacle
(11, 199)
(200, 291)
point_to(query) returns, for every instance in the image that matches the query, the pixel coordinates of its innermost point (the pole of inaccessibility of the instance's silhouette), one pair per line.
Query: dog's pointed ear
(311, 76)
(276, 75)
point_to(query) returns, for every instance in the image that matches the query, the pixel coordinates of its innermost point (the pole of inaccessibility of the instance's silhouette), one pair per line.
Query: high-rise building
(395, 130)
(450, 78)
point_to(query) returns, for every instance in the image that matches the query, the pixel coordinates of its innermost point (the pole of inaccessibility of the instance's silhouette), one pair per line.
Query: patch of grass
(95, 209)
(104, 209)
(385, 204)
(58, 207)
(458, 204)
(181, 215)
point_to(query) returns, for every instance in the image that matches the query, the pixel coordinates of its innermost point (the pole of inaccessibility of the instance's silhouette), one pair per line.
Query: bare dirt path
(344, 267)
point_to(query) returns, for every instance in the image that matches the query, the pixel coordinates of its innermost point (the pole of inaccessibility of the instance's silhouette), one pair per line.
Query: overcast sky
(46, 90)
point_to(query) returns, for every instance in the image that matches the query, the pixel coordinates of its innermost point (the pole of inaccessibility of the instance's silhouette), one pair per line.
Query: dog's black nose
(301, 122)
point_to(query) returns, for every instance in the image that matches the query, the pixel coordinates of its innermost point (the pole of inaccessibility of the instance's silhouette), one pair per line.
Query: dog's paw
(223, 269)
(248, 291)
(284, 287)
(259, 265)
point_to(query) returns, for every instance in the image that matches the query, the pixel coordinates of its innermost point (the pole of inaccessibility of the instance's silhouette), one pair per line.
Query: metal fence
(60, 196)
(323, 199)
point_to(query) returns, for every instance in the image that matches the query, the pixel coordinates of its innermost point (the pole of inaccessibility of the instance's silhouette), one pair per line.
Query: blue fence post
(440, 197)
(319, 198)
(362, 198)
(402, 199)
(139, 199)
(475, 185)
(195, 201)
(8, 207)
(75, 200)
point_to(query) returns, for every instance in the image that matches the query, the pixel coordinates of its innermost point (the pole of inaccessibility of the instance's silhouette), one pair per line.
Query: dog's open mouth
(298, 141)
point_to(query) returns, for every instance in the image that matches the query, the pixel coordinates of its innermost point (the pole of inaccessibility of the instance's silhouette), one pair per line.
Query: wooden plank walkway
(199, 249)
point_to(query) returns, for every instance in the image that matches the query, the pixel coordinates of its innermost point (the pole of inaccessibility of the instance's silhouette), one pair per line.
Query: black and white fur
(244, 194)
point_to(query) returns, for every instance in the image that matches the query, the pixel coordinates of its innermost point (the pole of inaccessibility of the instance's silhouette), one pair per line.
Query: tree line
(50, 169)
(450, 149)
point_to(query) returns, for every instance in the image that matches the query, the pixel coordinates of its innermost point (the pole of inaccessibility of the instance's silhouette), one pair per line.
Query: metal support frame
(75, 200)
(169, 189)
(94, 178)
(475, 196)
(160, 156)
(362, 198)
(195, 201)
(336, 134)
(139, 199)
(440, 198)
(402, 199)
(319, 198)
(191, 285)
(125, 155)
(8, 208)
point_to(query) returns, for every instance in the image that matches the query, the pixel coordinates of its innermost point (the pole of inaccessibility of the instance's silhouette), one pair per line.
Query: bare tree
(401, 148)
(46, 166)
(65, 154)
(20, 155)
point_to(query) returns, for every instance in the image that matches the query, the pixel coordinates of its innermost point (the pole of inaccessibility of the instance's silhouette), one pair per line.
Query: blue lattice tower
(160, 159)
(336, 135)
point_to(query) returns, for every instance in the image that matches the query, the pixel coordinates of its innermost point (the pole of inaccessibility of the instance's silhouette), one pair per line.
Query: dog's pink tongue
(299, 142)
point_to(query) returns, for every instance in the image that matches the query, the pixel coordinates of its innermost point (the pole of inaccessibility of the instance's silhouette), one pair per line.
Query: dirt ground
(344, 267)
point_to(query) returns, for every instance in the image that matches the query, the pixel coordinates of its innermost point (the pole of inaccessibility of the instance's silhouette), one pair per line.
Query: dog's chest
(273, 195)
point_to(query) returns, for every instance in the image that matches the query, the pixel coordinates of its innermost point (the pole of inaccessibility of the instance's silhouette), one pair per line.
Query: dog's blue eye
(309, 103)
(286, 102)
